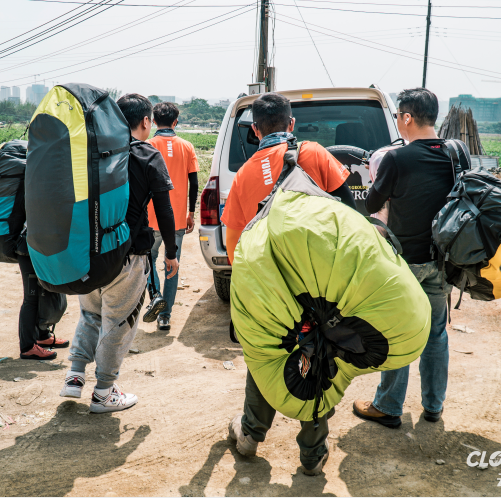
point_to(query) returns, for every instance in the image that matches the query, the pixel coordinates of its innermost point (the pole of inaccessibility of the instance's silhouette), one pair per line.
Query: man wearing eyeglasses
(417, 178)
(273, 125)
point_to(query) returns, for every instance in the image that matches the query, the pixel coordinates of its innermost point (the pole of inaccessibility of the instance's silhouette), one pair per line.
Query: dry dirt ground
(175, 440)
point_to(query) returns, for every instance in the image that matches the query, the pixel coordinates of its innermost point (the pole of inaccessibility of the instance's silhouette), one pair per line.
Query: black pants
(258, 418)
(29, 333)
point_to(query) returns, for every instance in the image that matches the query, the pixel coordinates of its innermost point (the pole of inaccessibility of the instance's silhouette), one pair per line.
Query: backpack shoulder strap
(144, 206)
(290, 162)
(465, 150)
(452, 151)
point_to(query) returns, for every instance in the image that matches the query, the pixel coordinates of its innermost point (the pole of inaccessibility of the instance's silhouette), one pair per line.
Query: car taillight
(209, 202)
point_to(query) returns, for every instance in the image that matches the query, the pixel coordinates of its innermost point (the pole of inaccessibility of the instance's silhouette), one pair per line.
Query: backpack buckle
(106, 154)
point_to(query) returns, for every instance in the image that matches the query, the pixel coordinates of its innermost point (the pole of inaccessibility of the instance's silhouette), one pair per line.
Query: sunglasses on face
(395, 114)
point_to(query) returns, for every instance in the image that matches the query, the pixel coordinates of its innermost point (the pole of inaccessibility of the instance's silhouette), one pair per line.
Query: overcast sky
(218, 62)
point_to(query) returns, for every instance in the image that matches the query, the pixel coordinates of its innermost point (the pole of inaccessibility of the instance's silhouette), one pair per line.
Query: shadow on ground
(47, 460)
(403, 462)
(252, 477)
(27, 369)
(207, 329)
(150, 341)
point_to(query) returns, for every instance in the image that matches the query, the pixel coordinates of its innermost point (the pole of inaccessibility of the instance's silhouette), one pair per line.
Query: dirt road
(175, 441)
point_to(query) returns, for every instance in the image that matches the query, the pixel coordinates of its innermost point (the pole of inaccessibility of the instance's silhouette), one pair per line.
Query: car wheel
(222, 285)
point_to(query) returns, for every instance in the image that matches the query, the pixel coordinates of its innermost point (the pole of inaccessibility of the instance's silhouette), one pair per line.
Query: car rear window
(360, 123)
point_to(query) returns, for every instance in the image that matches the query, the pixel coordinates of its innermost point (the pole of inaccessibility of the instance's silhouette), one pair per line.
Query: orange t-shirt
(180, 158)
(254, 181)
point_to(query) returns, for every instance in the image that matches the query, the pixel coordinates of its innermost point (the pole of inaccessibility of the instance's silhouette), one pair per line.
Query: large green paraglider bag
(309, 268)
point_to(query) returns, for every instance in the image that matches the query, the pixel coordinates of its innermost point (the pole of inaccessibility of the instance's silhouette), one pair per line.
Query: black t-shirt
(417, 179)
(147, 173)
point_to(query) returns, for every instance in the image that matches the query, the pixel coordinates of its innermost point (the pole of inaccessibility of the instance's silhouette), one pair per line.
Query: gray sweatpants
(108, 322)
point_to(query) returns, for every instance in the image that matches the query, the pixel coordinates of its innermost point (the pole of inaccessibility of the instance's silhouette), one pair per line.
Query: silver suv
(337, 118)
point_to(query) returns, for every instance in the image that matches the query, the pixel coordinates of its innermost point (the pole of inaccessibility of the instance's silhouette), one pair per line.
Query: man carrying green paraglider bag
(318, 297)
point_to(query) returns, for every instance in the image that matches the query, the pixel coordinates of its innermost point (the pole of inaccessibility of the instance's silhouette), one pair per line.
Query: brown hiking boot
(367, 411)
(38, 353)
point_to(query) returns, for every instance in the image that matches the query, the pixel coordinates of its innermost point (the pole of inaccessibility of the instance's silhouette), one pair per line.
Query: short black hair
(271, 113)
(135, 108)
(421, 104)
(165, 113)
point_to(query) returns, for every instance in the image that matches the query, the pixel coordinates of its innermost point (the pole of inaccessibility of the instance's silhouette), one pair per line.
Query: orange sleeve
(193, 166)
(152, 217)
(232, 237)
(328, 173)
(336, 173)
(233, 214)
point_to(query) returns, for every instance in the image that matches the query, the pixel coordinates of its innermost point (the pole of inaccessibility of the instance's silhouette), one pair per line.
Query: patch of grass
(205, 162)
(200, 141)
(12, 132)
(492, 146)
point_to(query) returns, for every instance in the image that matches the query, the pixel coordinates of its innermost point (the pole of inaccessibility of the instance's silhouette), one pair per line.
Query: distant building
(483, 109)
(167, 98)
(16, 92)
(393, 96)
(223, 103)
(188, 102)
(4, 92)
(36, 93)
(15, 100)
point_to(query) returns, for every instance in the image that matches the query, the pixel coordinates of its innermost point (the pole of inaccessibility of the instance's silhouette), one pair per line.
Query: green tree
(16, 113)
(115, 93)
(199, 106)
(154, 99)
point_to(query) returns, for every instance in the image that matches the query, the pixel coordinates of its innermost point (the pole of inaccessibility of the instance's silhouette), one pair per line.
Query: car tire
(222, 285)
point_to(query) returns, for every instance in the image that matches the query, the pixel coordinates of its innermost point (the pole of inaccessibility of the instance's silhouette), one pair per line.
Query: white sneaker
(246, 445)
(73, 384)
(111, 400)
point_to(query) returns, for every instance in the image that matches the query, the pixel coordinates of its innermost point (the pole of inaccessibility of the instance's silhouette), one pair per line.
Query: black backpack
(12, 212)
(466, 232)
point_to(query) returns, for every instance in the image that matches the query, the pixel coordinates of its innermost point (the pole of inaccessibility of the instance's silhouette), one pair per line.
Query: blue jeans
(170, 286)
(434, 361)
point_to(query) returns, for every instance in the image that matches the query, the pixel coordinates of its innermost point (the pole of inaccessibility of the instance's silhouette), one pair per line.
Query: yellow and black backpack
(77, 189)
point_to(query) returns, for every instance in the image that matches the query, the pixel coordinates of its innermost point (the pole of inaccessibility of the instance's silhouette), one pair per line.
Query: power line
(315, 45)
(468, 78)
(194, 49)
(54, 34)
(407, 5)
(383, 45)
(157, 43)
(317, 1)
(41, 25)
(390, 52)
(93, 39)
(140, 5)
(379, 12)
(74, 17)
(289, 5)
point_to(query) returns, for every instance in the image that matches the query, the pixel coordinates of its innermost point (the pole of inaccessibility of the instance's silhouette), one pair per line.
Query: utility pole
(428, 24)
(262, 65)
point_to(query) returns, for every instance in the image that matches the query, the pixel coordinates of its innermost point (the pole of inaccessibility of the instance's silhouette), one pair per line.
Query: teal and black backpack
(12, 214)
(77, 189)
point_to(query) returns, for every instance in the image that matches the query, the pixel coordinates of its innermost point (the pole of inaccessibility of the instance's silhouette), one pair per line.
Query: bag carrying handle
(397, 247)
